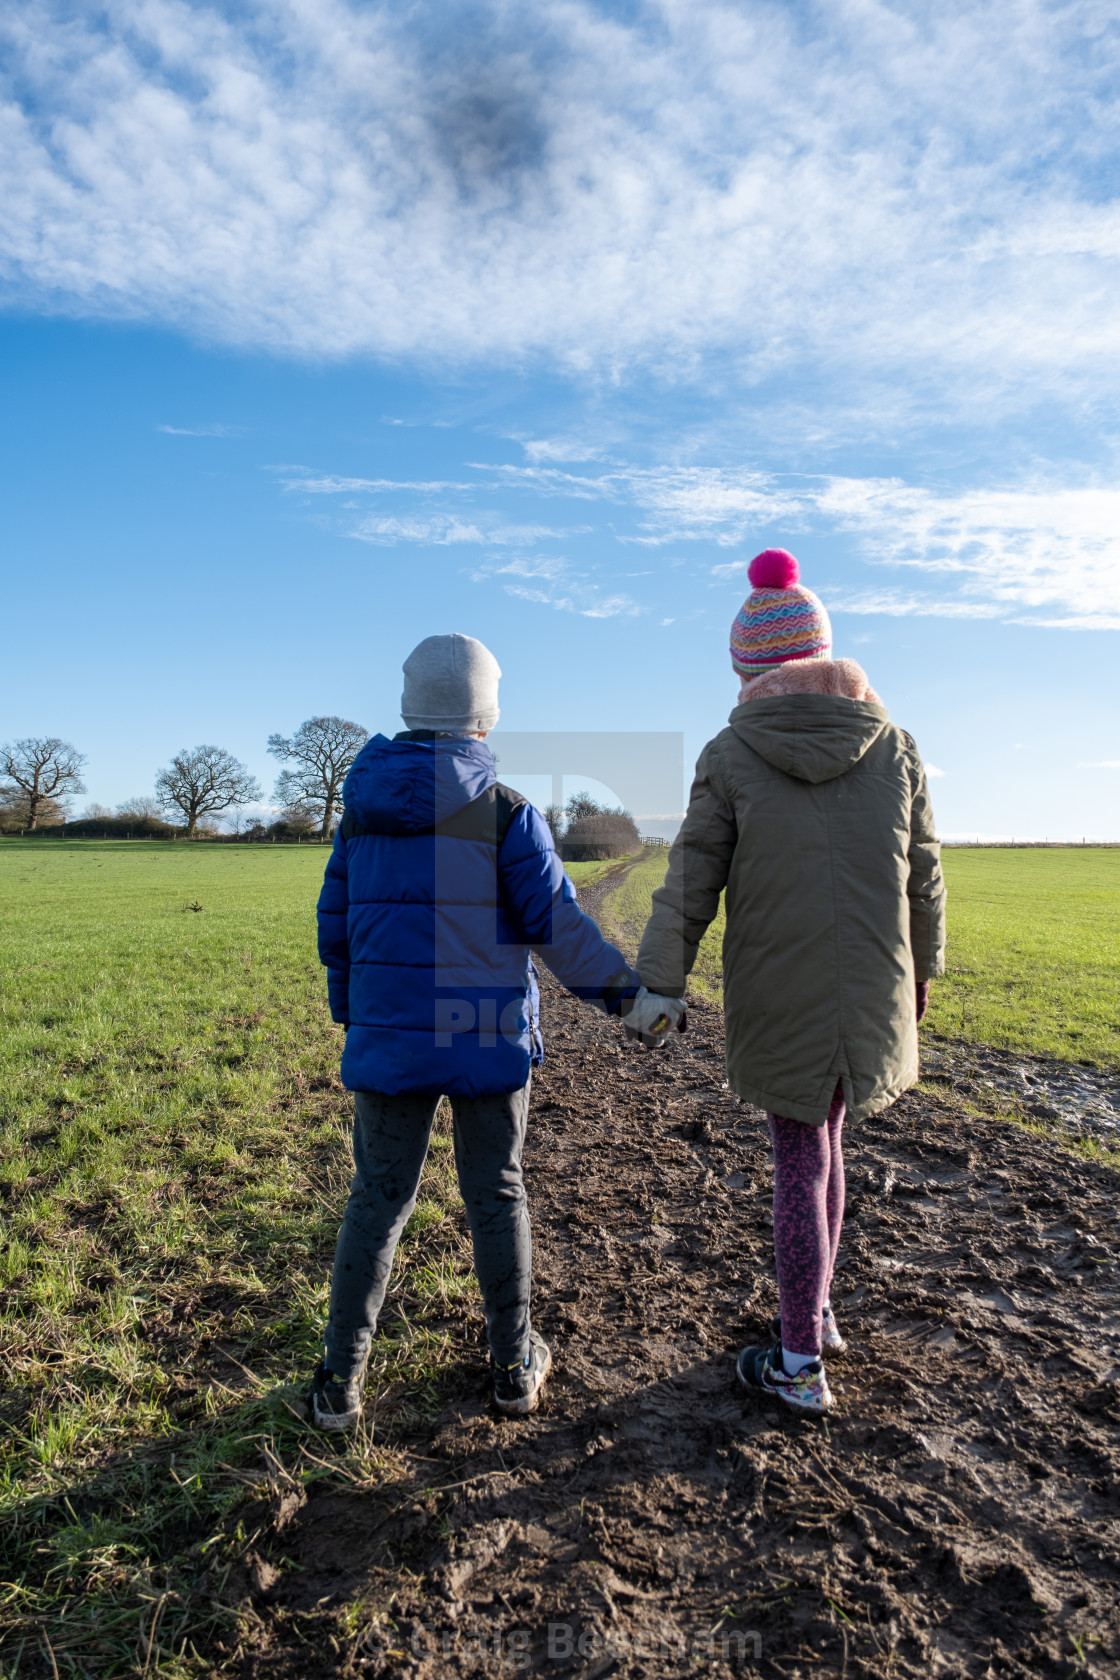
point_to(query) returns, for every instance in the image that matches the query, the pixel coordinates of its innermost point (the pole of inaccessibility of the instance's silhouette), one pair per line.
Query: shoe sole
(526, 1403)
(336, 1422)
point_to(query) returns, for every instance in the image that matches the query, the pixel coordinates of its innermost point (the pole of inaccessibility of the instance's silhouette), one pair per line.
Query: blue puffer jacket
(440, 885)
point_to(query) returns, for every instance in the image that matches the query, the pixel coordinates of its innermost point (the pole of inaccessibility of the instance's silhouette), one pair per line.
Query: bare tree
(141, 806)
(581, 805)
(42, 768)
(14, 813)
(201, 780)
(300, 819)
(317, 758)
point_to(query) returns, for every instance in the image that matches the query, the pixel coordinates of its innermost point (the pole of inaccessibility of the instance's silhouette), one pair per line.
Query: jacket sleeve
(926, 886)
(334, 944)
(699, 863)
(541, 902)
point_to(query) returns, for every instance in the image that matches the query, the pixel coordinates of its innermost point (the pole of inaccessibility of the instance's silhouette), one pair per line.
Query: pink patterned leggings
(808, 1214)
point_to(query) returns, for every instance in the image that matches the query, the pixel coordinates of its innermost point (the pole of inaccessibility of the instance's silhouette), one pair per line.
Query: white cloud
(1074, 621)
(388, 529)
(560, 449)
(393, 420)
(1102, 764)
(440, 527)
(879, 189)
(203, 431)
(896, 604)
(515, 535)
(334, 485)
(552, 581)
(612, 606)
(933, 772)
(992, 550)
(587, 606)
(1029, 548)
(440, 530)
(1036, 555)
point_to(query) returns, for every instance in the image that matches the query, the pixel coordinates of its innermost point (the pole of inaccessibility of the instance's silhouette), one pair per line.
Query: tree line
(39, 775)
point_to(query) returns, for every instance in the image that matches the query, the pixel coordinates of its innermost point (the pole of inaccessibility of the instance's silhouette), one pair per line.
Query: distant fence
(974, 845)
(982, 845)
(1031, 845)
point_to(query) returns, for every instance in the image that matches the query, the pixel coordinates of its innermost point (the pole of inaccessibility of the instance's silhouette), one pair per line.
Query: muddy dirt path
(959, 1514)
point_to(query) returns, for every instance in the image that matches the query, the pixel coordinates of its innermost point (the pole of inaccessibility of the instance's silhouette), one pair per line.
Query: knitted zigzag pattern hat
(780, 619)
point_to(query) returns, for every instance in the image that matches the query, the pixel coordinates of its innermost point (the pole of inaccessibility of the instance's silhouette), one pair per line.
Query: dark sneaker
(517, 1388)
(761, 1370)
(336, 1403)
(831, 1339)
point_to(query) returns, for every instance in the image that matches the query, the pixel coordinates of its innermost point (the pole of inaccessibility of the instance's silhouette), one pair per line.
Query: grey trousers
(390, 1146)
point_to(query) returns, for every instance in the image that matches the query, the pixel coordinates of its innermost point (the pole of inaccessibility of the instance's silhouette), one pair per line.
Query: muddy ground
(1080, 1102)
(959, 1513)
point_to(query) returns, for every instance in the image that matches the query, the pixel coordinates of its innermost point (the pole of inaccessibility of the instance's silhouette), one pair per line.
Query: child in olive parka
(811, 810)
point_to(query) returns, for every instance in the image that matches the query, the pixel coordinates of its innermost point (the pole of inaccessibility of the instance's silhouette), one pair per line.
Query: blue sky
(326, 326)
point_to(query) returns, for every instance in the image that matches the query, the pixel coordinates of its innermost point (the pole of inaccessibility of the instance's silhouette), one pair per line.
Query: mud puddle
(1083, 1101)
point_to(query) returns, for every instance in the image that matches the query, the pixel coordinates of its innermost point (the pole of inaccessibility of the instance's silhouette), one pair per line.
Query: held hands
(921, 991)
(648, 1018)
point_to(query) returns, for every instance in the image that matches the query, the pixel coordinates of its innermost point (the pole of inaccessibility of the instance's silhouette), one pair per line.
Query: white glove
(650, 1018)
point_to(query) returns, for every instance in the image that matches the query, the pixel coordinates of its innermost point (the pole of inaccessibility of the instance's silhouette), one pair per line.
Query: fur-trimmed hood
(813, 719)
(840, 677)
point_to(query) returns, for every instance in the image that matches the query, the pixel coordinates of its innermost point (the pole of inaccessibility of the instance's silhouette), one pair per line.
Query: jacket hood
(410, 786)
(838, 677)
(815, 737)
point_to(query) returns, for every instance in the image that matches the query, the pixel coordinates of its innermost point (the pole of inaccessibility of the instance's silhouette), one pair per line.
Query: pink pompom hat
(780, 619)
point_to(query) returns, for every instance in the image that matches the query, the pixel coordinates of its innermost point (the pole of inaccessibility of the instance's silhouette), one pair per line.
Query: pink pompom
(774, 568)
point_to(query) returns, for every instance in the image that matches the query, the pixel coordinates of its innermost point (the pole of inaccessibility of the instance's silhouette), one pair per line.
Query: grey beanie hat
(450, 683)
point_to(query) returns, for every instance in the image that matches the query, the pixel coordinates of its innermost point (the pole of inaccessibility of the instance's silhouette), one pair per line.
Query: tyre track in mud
(958, 1514)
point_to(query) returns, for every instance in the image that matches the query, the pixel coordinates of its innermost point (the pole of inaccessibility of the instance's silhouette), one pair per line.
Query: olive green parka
(812, 810)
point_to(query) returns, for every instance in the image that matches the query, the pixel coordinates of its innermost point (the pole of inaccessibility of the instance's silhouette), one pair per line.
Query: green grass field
(173, 1165)
(1033, 951)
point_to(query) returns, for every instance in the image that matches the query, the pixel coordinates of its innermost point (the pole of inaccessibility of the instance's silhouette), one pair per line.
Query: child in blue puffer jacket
(440, 885)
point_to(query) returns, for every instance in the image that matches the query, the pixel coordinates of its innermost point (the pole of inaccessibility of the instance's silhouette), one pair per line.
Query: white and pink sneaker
(761, 1370)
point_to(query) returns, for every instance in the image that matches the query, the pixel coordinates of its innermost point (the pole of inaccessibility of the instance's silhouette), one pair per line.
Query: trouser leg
(489, 1137)
(835, 1194)
(390, 1143)
(801, 1236)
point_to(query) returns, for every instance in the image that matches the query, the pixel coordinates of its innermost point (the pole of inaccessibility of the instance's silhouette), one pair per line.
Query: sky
(325, 327)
